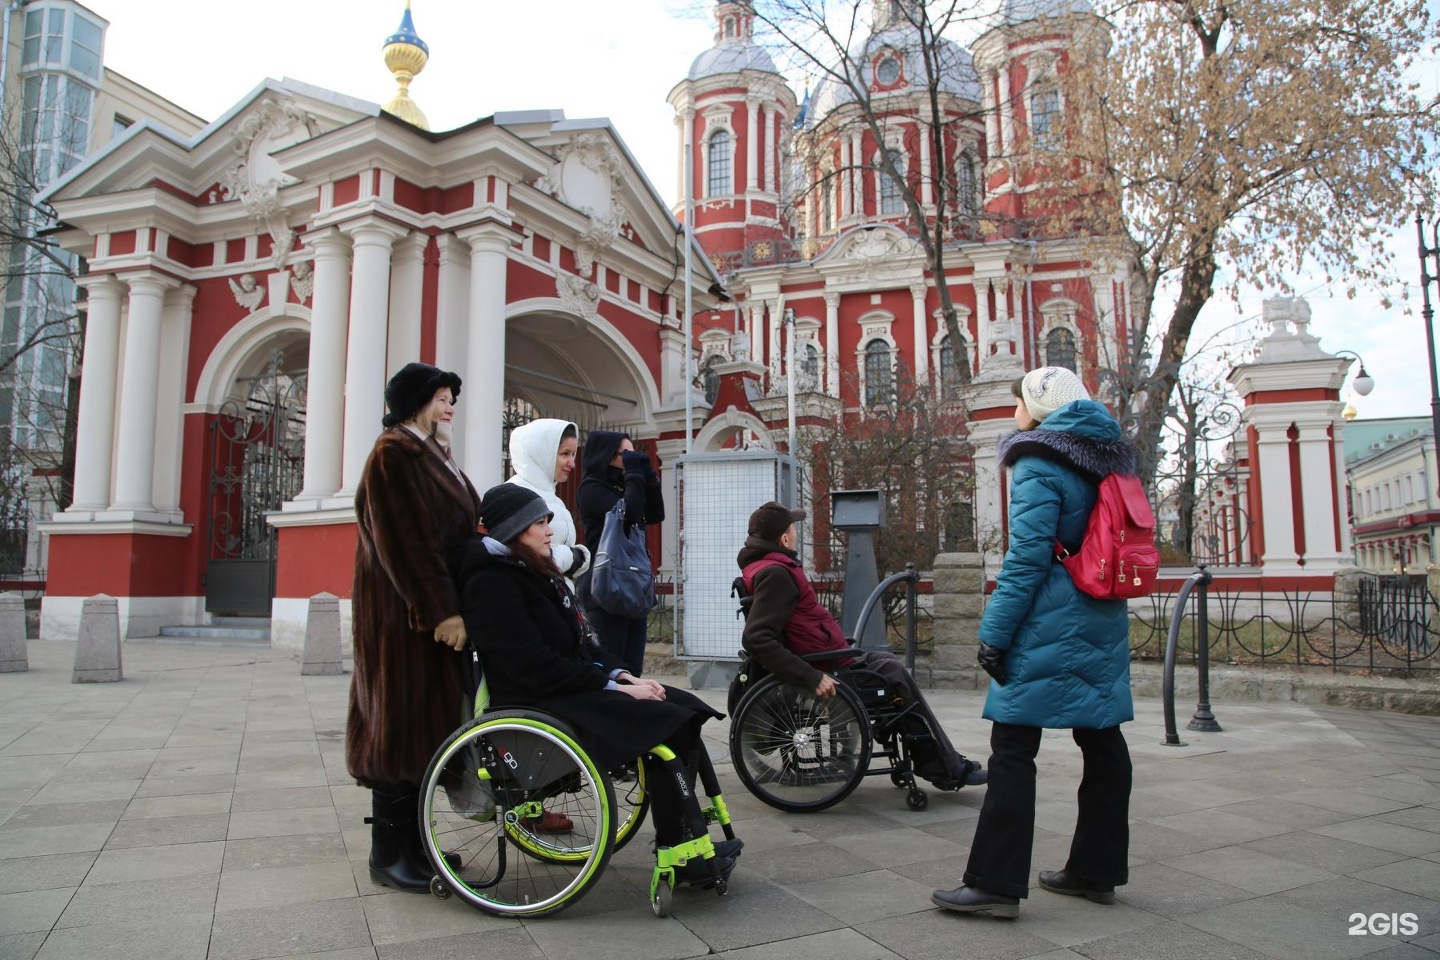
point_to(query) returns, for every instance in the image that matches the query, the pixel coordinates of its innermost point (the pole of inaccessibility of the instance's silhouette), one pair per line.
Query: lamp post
(1428, 312)
(1363, 382)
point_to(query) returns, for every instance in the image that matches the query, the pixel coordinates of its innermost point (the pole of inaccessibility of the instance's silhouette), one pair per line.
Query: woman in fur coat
(1060, 659)
(542, 454)
(415, 511)
(526, 626)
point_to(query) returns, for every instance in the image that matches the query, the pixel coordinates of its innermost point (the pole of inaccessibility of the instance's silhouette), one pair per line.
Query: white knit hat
(1050, 388)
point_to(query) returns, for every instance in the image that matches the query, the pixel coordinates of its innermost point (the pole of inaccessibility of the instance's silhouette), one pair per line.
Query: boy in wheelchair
(536, 651)
(786, 620)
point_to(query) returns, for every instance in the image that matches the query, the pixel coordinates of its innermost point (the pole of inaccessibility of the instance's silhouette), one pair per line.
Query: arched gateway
(253, 288)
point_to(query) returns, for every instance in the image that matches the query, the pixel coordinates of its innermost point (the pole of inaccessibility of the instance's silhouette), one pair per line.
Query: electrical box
(852, 510)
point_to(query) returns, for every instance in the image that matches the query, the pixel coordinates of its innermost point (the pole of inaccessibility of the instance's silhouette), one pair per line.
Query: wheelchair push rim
(797, 752)
(507, 867)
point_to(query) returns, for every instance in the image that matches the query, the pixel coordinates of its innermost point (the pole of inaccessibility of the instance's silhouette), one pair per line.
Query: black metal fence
(1388, 624)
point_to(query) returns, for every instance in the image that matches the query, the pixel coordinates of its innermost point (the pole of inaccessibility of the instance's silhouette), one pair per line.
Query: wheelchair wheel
(632, 803)
(796, 752)
(527, 764)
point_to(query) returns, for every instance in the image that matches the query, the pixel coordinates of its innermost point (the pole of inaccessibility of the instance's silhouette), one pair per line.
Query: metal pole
(789, 319)
(686, 379)
(1428, 313)
(1172, 734)
(1204, 719)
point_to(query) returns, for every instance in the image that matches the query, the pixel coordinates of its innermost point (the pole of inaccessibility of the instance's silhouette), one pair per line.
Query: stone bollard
(13, 656)
(97, 654)
(322, 656)
(959, 601)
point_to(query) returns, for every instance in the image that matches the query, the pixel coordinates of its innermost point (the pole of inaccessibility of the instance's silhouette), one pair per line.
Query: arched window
(827, 204)
(967, 184)
(1060, 349)
(1045, 125)
(729, 26)
(891, 202)
(809, 368)
(949, 375)
(718, 181)
(711, 380)
(878, 375)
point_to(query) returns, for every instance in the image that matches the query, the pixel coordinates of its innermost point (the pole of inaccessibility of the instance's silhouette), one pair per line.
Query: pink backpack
(1117, 560)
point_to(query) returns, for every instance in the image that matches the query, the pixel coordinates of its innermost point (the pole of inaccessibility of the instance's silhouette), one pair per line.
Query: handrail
(1203, 720)
(910, 576)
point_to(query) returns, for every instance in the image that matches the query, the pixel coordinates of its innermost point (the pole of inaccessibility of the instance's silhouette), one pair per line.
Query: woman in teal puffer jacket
(1059, 658)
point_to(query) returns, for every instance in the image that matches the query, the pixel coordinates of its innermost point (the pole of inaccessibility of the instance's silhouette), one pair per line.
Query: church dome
(731, 58)
(1020, 11)
(884, 51)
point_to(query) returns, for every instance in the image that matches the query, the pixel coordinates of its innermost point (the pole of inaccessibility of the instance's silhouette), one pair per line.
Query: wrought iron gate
(257, 463)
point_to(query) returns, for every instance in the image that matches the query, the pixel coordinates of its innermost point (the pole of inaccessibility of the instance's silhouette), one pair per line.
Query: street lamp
(1428, 312)
(1363, 382)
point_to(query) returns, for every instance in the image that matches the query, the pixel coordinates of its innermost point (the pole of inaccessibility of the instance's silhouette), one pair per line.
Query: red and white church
(251, 289)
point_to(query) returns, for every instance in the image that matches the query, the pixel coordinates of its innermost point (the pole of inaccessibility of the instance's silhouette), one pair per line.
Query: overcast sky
(616, 59)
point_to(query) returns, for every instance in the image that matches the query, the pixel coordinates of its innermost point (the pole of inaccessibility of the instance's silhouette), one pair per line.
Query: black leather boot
(394, 840)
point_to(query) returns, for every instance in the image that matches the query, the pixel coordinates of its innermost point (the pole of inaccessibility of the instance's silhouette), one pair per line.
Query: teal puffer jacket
(1068, 659)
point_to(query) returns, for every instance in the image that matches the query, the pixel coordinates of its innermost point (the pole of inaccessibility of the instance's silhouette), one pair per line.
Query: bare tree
(934, 94)
(1240, 142)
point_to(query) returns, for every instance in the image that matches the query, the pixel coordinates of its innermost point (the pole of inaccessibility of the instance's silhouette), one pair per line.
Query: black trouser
(670, 807)
(1000, 853)
(621, 637)
(892, 668)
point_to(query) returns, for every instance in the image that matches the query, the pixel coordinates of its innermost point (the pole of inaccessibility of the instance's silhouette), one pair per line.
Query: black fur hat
(414, 386)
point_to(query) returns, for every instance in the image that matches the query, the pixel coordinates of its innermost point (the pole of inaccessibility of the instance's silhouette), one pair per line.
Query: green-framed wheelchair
(483, 807)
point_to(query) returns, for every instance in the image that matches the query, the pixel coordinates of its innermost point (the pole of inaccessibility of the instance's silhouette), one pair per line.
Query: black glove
(636, 461)
(992, 661)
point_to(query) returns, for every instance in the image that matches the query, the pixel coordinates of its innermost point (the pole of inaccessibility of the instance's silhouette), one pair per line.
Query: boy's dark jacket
(776, 597)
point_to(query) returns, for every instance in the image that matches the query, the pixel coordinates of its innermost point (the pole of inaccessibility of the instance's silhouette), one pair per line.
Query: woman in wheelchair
(537, 652)
(786, 621)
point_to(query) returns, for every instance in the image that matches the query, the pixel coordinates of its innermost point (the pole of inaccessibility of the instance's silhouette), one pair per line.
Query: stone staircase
(220, 631)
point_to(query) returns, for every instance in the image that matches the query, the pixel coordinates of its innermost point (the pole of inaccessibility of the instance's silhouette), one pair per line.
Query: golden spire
(406, 55)
(1350, 413)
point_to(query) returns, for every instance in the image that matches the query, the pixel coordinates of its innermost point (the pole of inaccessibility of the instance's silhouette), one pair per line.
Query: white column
(992, 117)
(982, 321)
(483, 396)
(169, 420)
(768, 166)
(847, 176)
(452, 315)
(1317, 490)
(927, 175)
(95, 427)
(1007, 115)
(325, 383)
(365, 347)
(757, 321)
(832, 344)
(777, 319)
(135, 451)
(857, 183)
(680, 157)
(752, 143)
(1276, 496)
(407, 279)
(922, 340)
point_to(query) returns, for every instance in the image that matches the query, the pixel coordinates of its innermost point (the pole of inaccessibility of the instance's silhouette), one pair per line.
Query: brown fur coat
(414, 516)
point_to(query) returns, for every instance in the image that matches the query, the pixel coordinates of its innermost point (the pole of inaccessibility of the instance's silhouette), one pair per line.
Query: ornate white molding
(579, 296)
(590, 176)
(302, 280)
(254, 178)
(248, 292)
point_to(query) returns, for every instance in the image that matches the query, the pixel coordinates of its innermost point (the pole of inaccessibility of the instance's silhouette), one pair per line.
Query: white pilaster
(169, 420)
(483, 398)
(452, 316)
(992, 117)
(1319, 493)
(776, 351)
(407, 278)
(832, 344)
(927, 175)
(922, 338)
(95, 427)
(982, 320)
(757, 321)
(1007, 114)
(1277, 507)
(767, 167)
(325, 383)
(135, 449)
(373, 240)
(752, 143)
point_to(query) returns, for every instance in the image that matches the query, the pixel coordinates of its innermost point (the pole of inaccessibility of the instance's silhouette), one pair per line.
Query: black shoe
(1073, 885)
(970, 774)
(699, 873)
(975, 900)
(395, 857)
(729, 848)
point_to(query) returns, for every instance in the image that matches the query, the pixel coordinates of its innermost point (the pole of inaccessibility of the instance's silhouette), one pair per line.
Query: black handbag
(620, 578)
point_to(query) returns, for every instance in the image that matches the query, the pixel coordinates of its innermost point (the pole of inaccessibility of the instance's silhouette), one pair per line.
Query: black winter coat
(602, 485)
(535, 652)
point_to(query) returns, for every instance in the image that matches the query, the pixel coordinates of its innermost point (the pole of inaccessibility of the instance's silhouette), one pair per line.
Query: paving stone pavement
(200, 808)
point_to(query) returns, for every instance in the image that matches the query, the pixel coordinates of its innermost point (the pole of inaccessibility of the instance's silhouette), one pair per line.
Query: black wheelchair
(489, 788)
(800, 753)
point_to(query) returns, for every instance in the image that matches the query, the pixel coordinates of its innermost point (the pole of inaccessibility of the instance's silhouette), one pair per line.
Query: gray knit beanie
(1050, 388)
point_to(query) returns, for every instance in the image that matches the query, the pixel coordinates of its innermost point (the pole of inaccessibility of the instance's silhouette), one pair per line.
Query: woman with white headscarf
(542, 454)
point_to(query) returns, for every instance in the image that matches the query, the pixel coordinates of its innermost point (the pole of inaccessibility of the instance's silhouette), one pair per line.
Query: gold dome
(405, 56)
(1350, 413)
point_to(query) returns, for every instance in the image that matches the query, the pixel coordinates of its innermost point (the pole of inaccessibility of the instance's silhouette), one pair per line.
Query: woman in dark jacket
(523, 620)
(614, 469)
(415, 511)
(1059, 658)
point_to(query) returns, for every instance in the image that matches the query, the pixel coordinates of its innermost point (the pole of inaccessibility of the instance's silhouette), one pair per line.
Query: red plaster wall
(312, 560)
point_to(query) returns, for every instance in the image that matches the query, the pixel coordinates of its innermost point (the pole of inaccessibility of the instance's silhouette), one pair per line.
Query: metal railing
(1204, 719)
(910, 577)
